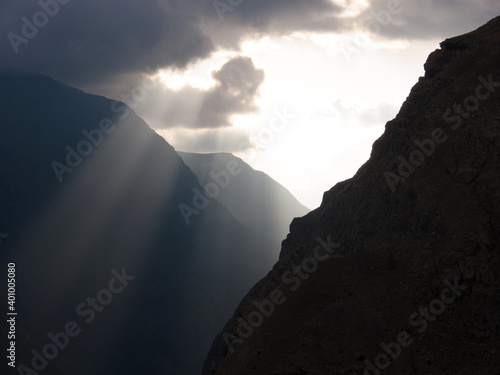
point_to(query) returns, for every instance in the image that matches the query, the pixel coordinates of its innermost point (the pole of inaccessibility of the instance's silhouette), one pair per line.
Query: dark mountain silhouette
(90, 198)
(398, 270)
(251, 196)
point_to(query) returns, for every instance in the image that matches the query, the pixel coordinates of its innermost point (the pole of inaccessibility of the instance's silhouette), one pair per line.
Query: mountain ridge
(253, 197)
(114, 212)
(418, 221)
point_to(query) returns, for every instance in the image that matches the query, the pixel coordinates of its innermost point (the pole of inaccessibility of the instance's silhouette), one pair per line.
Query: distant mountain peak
(253, 197)
(112, 207)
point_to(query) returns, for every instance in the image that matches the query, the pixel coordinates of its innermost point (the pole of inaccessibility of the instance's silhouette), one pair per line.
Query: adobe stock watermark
(421, 319)
(222, 7)
(12, 313)
(137, 94)
(87, 310)
(75, 156)
(30, 28)
(427, 147)
(277, 124)
(294, 277)
(95, 137)
(211, 190)
(374, 24)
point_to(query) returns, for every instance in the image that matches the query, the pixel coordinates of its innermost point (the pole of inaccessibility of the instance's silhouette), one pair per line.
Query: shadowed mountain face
(398, 270)
(251, 196)
(89, 197)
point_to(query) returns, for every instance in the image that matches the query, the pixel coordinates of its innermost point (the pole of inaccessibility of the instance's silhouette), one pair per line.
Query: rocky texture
(402, 235)
(251, 196)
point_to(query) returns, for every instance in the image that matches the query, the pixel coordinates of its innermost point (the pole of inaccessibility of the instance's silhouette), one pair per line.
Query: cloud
(367, 117)
(208, 140)
(88, 42)
(92, 40)
(407, 19)
(237, 85)
(238, 82)
(83, 42)
(376, 116)
(280, 17)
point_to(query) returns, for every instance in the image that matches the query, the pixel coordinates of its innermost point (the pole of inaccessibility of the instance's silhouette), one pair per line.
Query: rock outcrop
(398, 270)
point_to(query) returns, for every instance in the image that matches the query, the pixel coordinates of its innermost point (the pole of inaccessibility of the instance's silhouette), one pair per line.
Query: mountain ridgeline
(107, 268)
(398, 270)
(251, 196)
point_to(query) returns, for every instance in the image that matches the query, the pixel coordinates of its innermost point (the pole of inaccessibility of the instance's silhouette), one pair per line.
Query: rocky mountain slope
(90, 199)
(251, 196)
(398, 270)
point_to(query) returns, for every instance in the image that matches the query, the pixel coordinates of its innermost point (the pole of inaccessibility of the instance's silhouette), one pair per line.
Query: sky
(299, 89)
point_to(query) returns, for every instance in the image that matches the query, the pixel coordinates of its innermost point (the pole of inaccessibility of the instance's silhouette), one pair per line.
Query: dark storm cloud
(237, 85)
(281, 16)
(238, 82)
(82, 41)
(89, 41)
